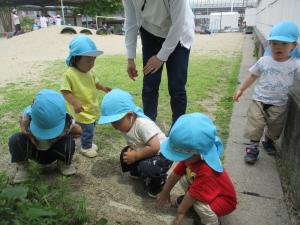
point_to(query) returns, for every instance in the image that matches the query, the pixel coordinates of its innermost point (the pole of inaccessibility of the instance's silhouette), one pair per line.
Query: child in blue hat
(141, 158)
(275, 75)
(194, 143)
(80, 87)
(47, 134)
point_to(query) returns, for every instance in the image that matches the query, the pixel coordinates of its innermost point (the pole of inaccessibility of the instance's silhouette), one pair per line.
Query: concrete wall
(270, 12)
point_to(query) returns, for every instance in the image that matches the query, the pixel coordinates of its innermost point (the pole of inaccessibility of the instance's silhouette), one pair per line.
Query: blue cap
(82, 46)
(194, 134)
(48, 114)
(116, 104)
(286, 31)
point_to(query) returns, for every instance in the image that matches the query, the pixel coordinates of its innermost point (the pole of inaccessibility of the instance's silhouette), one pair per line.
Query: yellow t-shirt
(83, 87)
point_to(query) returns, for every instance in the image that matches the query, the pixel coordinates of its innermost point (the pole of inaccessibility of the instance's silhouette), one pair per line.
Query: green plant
(26, 23)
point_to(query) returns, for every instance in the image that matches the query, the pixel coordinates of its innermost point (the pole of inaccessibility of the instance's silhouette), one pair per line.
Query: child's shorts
(261, 115)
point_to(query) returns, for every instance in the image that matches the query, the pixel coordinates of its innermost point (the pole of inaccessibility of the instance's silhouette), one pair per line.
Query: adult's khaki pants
(270, 120)
(203, 210)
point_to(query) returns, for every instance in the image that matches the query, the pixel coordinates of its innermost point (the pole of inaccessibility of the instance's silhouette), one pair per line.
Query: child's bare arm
(184, 206)
(164, 195)
(247, 83)
(102, 88)
(73, 101)
(151, 149)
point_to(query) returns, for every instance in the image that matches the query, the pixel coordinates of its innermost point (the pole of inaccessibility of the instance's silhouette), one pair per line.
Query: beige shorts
(203, 210)
(260, 120)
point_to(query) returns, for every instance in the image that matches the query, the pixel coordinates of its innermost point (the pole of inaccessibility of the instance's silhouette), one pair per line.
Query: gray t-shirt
(274, 79)
(141, 132)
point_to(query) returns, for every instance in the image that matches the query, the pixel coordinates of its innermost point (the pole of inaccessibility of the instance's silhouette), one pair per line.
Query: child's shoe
(251, 154)
(66, 170)
(90, 152)
(154, 190)
(20, 175)
(269, 146)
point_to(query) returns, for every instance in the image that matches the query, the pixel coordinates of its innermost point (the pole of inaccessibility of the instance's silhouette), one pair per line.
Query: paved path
(262, 179)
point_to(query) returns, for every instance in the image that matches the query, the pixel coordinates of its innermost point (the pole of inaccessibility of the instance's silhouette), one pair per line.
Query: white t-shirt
(274, 79)
(43, 21)
(141, 132)
(16, 20)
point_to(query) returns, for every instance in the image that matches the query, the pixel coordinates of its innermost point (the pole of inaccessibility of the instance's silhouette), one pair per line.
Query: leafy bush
(35, 202)
(26, 23)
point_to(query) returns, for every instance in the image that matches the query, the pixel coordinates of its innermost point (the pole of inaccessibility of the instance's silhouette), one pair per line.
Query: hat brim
(46, 134)
(212, 159)
(281, 38)
(90, 53)
(111, 119)
(169, 153)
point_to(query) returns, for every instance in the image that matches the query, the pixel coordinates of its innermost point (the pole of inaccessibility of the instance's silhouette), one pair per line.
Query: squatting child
(141, 157)
(47, 134)
(80, 87)
(193, 141)
(275, 75)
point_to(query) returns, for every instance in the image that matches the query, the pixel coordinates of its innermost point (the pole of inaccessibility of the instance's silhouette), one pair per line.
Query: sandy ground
(22, 57)
(112, 194)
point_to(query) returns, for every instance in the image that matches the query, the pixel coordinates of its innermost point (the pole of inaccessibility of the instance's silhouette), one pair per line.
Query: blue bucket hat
(116, 104)
(48, 115)
(194, 134)
(286, 31)
(82, 46)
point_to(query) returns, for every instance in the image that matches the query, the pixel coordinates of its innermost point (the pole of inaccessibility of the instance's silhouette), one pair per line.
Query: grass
(211, 83)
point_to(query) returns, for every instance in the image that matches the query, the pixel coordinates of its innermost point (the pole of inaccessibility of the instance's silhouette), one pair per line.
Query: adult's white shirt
(43, 21)
(16, 19)
(169, 19)
(57, 21)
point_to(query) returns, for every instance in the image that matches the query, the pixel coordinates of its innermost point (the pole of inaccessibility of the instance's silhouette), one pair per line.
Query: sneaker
(21, 174)
(90, 152)
(269, 146)
(66, 170)
(153, 191)
(251, 154)
(178, 200)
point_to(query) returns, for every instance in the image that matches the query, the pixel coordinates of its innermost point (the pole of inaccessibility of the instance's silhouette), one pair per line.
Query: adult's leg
(150, 47)
(177, 68)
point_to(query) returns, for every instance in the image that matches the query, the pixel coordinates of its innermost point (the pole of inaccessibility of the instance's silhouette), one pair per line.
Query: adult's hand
(152, 65)
(131, 69)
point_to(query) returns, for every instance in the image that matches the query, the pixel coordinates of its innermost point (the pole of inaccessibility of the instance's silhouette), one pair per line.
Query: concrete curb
(259, 191)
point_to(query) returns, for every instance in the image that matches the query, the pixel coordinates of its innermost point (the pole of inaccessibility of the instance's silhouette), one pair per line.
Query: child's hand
(178, 219)
(78, 107)
(163, 198)
(106, 89)
(130, 156)
(237, 95)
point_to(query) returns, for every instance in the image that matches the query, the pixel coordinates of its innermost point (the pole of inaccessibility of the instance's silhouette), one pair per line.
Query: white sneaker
(90, 152)
(21, 174)
(66, 170)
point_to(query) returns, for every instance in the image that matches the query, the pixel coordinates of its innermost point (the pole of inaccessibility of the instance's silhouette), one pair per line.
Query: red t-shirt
(209, 186)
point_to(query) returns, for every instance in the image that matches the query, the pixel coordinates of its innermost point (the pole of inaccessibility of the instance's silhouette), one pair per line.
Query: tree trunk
(5, 21)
